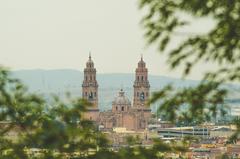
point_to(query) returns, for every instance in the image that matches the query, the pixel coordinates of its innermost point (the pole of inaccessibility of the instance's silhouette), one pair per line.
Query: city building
(222, 131)
(180, 132)
(123, 114)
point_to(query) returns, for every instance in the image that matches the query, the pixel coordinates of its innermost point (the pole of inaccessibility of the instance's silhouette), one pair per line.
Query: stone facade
(132, 117)
(124, 115)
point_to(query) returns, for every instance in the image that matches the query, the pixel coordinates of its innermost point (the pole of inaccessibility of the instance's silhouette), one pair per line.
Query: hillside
(58, 82)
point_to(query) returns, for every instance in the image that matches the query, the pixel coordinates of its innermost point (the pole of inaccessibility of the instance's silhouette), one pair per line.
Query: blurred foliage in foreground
(60, 129)
(220, 46)
(59, 132)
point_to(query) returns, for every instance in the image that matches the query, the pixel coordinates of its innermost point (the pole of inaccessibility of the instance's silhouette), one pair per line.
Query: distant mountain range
(60, 81)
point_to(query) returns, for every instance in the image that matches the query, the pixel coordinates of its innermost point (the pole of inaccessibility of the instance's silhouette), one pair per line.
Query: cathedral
(132, 116)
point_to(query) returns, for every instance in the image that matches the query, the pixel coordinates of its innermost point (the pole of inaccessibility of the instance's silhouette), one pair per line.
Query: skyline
(59, 35)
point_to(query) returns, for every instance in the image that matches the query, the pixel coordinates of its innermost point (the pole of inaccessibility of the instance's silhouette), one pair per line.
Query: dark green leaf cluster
(59, 132)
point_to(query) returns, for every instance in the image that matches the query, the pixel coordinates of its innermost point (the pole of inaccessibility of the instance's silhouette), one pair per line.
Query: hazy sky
(57, 34)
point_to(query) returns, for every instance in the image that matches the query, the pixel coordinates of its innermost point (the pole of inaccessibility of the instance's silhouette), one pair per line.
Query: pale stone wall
(92, 115)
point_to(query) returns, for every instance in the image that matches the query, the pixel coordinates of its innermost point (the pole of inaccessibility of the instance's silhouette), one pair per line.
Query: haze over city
(60, 34)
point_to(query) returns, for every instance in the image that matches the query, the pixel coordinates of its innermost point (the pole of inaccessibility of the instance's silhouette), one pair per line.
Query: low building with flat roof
(180, 132)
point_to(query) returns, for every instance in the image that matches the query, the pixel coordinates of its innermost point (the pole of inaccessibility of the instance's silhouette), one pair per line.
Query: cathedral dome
(121, 99)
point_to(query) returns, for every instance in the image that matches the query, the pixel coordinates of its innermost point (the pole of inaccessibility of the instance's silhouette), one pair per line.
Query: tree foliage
(219, 46)
(62, 132)
(191, 105)
(59, 132)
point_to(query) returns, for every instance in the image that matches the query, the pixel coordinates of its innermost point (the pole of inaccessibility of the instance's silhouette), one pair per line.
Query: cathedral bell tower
(90, 90)
(141, 86)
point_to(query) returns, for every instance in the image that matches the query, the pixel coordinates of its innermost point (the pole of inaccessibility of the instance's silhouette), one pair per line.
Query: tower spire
(90, 55)
(90, 89)
(141, 85)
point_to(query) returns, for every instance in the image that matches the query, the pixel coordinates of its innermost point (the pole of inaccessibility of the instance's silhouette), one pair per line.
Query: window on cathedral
(90, 97)
(142, 96)
(138, 78)
(122, 108)
(90, 77)
(116, 108)
(142, 78)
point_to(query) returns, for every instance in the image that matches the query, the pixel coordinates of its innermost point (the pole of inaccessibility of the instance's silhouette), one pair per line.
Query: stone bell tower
(90, 90)
(141, 86)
